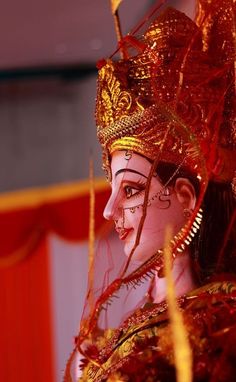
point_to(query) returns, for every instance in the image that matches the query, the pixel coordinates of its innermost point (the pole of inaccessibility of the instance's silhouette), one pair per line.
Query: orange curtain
(25, 318)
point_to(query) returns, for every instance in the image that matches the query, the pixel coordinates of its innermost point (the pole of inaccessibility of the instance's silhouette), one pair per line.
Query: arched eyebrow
(129, 170)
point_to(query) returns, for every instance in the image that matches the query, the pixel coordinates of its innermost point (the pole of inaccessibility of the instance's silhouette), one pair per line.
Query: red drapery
(65, 212)
(26, 348)
(25, 318)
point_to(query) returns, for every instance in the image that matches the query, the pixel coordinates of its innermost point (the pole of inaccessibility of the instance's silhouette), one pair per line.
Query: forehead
(120, 160)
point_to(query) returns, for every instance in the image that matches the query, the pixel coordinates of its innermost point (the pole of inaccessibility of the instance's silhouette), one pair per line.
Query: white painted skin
(124, 207)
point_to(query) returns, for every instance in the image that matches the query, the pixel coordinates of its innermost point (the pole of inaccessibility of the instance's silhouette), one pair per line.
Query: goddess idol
(165, 116)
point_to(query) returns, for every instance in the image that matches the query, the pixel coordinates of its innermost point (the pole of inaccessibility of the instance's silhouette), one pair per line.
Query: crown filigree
(173, 94)
(113, 102)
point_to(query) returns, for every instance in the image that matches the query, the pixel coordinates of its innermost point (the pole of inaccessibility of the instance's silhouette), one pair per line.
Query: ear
(185, 193)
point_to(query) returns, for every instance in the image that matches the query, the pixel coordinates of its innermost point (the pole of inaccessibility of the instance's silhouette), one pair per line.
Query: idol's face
(125, 205)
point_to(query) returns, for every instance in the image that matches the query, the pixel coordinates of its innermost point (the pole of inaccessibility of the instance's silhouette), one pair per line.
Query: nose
(111, 211)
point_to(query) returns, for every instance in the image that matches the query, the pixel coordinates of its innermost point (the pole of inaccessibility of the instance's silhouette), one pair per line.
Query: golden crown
(175, 98)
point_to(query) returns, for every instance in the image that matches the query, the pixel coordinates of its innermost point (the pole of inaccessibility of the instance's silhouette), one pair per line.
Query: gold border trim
(33, 197)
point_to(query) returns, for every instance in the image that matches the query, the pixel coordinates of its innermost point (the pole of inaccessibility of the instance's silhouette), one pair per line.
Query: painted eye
(131, 191)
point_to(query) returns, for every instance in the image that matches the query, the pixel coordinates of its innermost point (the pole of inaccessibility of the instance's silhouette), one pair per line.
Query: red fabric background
(25, 319)
(26, 350)
(22, 230)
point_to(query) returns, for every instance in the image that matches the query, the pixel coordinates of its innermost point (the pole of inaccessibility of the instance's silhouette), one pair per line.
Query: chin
(143, 251)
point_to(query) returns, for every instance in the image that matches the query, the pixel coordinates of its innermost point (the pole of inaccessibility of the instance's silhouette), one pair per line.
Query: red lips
(123, 232)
